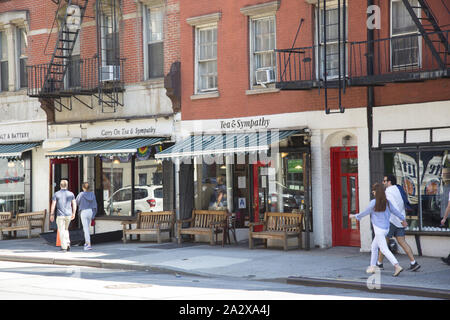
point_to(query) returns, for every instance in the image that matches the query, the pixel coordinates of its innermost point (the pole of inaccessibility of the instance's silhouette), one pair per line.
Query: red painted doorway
(344, 196)
(67, 169)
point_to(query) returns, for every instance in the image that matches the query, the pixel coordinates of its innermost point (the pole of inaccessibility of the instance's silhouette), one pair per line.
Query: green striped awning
(104, 147)
(16, 150)
(208, 144)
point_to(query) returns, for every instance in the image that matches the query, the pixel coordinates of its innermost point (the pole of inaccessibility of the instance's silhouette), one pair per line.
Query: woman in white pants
(380, 210)
(87, 205)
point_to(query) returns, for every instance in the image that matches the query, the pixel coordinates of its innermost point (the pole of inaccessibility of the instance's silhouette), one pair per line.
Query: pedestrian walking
(396, 229)
(63, 202)
(87, 206)
(380, 210)
(444, 219)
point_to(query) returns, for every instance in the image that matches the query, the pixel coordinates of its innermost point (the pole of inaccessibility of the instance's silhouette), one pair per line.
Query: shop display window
(12, 186)
(148, 195)
(116, 181)
(210, 188)
(116, 174)
(425, 177)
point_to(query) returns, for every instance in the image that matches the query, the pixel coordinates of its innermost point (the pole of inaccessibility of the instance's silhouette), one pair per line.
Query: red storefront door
(67, 169)
(344, 196)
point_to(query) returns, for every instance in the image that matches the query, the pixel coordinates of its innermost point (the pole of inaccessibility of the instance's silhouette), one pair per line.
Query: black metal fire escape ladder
(323, 76)
(67, 36)
(430, 18)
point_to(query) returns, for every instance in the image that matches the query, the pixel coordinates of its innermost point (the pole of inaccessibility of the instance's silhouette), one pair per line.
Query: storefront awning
(104, 147)
(229, 143)
(15, 150)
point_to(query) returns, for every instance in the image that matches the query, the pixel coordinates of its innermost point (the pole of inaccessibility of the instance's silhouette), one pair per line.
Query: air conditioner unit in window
(265, 76)
(110, 73)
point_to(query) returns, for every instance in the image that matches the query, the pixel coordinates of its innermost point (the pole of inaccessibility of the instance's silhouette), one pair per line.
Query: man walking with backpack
(394, 195)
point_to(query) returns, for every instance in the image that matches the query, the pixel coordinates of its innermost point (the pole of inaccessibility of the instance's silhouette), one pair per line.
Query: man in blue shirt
(65, 205)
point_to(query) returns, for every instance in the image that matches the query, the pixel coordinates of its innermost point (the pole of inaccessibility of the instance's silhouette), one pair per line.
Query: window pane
(12, 186)
(210, 189)
(116, 180)
(405, 51)
(152, 170)
(155, 25)
(74, 71)
(156, 59)
(401, 19)
(207, 59)
(4, 75)
(3, 46)
(23, 73)
(434, 188)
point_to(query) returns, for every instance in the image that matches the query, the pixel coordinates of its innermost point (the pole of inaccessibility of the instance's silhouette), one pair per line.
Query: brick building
(98, 97)
(381, 106)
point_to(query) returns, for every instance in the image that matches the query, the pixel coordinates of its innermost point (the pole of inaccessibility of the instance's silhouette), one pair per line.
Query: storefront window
(116, 179)
(12, 186)
(148, 194)
(425, 178)
(287, 188)
(210, 187)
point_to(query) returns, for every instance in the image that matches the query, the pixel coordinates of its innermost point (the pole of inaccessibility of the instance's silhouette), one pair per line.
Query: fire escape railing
(396, 59)
(81, 78)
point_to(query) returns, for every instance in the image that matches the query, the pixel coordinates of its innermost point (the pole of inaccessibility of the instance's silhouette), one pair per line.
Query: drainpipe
(370, 89)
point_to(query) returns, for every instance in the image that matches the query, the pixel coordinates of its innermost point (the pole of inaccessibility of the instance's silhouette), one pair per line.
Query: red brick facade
(233, 62)
(41, 15)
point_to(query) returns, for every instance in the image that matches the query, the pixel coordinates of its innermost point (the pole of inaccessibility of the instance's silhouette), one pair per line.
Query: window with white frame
(22, 44)
(154, 41)
(331, 22)
(4, 78)
(206, 59)
(405, 43)
(263, 43)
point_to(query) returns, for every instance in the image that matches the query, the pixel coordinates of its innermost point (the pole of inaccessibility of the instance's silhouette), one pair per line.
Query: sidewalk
(336, 267)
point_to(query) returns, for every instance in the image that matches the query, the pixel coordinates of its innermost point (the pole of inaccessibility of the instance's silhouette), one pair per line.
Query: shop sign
(122, 129)
(23, 133)
(245, 124)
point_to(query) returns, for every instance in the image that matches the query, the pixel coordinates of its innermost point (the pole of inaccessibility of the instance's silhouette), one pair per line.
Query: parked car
(146, 199)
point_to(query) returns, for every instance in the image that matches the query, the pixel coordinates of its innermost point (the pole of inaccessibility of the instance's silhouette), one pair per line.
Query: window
(4, 61)
(425, 177)
(332, 54)
(155, 41)
(405, 44)
(262, 46)
(158, 193)
(110, 41)
(75, 66)
(206, 54)
(22, 44)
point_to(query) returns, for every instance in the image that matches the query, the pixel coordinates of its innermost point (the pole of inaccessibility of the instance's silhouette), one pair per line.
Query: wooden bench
(150, 223)
(278, 225)
(5, 218)
(25, 222)
(203, 222)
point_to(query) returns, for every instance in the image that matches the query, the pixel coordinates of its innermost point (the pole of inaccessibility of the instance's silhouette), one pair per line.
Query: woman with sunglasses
(380, 209)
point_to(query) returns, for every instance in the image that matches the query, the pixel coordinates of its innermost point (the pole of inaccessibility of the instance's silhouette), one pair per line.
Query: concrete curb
(94, 264)
(362, 286)
(304, 281)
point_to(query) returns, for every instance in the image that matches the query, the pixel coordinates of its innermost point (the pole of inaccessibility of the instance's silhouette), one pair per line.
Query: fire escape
(91, 81)
(335, 63)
